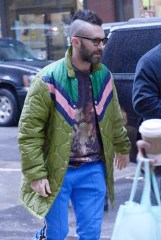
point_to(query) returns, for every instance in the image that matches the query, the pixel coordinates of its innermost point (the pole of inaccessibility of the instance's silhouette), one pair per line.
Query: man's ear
(74, 41)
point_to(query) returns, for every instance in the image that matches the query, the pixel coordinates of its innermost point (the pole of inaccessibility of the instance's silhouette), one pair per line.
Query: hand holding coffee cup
(143, 147)
(151, 132)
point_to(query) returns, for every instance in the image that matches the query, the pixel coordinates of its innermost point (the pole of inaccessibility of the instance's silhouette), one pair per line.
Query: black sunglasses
(96, 41)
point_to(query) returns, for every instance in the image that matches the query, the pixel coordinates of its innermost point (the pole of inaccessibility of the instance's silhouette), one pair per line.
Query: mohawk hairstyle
(87, 16)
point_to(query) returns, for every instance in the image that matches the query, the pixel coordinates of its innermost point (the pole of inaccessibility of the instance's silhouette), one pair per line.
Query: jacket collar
(70, 69)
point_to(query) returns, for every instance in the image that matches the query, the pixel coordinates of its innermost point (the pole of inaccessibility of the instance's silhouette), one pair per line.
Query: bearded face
(90, 55)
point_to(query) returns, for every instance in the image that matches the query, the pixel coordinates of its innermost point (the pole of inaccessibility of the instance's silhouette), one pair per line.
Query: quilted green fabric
(45, 134)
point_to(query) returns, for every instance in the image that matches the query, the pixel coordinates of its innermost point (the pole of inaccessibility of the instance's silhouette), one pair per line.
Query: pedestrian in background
(147, 90)
(70, 128)
(147, 85)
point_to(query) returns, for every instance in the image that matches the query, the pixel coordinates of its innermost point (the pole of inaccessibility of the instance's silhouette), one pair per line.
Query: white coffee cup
(151, 132)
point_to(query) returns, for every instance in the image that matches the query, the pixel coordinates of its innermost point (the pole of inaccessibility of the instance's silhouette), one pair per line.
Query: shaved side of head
(78, 27)
(82, 22)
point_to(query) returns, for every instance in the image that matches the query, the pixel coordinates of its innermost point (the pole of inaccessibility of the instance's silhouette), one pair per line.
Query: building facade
(43, 24)
(40, 24)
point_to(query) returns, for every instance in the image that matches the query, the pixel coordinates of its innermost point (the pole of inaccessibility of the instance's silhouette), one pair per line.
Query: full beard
(90, 57)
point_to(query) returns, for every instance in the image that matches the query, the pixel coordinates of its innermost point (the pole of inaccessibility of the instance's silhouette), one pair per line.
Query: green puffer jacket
(45, 129)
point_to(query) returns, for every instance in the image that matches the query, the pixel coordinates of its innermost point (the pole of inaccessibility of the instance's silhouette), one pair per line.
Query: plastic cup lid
(151, 128)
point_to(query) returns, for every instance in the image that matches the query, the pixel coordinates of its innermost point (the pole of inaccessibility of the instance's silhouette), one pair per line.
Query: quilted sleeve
(31, 130)
(121, 140)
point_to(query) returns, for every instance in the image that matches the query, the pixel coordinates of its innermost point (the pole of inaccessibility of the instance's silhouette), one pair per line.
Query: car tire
(8, 108)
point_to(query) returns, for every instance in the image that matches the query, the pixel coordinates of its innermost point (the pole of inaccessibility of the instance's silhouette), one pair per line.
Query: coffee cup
(151, 132)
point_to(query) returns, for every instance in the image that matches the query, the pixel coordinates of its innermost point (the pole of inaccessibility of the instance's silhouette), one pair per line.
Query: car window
(16, 52)
(125, 47)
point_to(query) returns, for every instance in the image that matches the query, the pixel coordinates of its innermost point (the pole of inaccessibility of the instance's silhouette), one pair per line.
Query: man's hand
(42, 187)
(121, 161)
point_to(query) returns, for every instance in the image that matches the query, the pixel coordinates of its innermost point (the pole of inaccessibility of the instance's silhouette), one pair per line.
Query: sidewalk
(123, 177)
(16, 221)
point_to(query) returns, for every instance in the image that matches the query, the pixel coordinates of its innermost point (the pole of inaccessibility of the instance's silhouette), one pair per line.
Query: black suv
(18, 66)
(126, 44)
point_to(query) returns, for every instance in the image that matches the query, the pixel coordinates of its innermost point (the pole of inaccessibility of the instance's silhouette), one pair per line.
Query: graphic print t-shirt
(86, 143)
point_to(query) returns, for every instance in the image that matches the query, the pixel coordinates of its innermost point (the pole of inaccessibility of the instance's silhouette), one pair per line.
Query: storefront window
(158, 8)
(45, 34)
(150, 8)
(42, 25)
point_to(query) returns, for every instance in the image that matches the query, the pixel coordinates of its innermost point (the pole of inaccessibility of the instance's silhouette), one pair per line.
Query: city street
(82, 57)
(15, 222)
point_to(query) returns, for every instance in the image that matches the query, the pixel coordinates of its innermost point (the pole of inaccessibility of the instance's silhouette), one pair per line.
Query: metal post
(119, 10)
(3, 18)
(85, 4)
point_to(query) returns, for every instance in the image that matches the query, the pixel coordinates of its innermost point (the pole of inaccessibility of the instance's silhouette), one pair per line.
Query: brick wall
(104, 8)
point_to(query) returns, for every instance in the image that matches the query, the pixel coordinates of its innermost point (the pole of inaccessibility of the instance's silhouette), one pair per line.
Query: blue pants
(86, 188)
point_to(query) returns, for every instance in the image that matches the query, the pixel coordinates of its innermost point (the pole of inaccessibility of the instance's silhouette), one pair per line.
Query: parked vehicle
(126, 44)
(18, 66)
(108, 26)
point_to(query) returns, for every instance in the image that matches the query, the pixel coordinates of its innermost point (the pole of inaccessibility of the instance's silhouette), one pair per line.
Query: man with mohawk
(70, 134)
